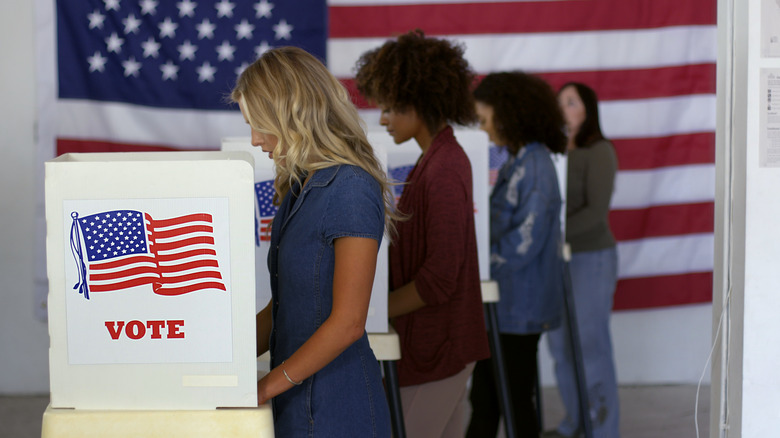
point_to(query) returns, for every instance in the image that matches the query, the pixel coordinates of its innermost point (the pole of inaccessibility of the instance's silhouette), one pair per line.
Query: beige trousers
(437, 409)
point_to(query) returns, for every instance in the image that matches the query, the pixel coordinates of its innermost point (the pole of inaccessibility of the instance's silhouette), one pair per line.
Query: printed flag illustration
(121, 249)
(496, 158)
(399, 175)
(152, 75)
(264, 190)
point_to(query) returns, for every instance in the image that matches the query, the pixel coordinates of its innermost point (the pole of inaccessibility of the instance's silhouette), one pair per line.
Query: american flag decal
(399, 175)
(497, 156)
(264, 190)
(121, 249)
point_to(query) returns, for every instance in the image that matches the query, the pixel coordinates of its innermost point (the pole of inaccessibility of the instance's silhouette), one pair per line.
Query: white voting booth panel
(151, 274)
(561, 163)
(401, 158)
(264, 212)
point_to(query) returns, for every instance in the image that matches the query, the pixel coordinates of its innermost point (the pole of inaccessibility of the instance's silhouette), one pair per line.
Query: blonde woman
(334, 205)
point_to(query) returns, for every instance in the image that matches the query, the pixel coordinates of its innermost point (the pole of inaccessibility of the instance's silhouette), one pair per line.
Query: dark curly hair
(525, 110)
(427, 74)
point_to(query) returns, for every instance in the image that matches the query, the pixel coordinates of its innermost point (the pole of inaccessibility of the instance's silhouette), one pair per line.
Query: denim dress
(525, 243)
(345, 398)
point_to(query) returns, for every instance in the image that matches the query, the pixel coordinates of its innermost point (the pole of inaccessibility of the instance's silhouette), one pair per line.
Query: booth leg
(499, 371)
(394, 398)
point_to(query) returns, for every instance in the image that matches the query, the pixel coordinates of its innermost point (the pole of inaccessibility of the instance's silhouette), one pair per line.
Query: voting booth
(264, 213)
(151, 299)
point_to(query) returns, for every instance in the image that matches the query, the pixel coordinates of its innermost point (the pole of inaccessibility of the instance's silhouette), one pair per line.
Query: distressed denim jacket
(525, 242)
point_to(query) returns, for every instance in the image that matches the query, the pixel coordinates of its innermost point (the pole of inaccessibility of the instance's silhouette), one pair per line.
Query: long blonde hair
(289, 93)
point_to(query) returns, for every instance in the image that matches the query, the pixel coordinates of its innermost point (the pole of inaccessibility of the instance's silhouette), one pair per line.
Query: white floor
(650, 411)
(647, 412)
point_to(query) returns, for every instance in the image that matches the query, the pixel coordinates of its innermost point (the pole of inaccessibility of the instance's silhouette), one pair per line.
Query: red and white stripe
(265, 229)
(122, 273)
(184, 249)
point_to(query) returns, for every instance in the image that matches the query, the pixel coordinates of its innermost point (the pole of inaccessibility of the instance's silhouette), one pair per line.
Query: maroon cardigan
(437, 248)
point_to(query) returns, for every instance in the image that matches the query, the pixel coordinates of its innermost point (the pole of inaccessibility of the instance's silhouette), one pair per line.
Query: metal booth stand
(490, 296)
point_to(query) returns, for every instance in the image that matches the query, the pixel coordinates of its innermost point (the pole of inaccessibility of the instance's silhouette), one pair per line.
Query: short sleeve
(355, 207)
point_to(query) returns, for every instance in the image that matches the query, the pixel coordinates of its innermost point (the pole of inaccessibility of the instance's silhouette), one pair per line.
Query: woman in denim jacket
(520, 112)
(335, 202)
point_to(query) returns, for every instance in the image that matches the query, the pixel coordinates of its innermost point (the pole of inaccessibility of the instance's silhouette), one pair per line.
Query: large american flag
(122, 249)
(154, 75)
(652, 62)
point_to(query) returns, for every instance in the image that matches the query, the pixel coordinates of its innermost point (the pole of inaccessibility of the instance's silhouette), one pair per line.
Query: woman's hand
(271, 385)
(353, 277)
(262, 393)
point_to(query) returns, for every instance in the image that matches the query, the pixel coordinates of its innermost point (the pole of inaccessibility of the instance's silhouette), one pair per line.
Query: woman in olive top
(591, 176)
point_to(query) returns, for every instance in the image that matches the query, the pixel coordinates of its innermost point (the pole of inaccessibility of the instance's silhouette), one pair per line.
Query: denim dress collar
(320, 178)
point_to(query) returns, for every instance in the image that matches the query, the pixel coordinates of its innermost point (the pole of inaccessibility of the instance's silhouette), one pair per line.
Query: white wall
(746, 388)
(656, 346)
(24, 360)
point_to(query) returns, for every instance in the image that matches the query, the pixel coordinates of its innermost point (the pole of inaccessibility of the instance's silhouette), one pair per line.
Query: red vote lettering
(115, 332)
(173, 329)
(136, 329)
(156, 326)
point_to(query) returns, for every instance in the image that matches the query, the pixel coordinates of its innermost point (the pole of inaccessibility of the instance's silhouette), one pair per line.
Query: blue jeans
(593, 277)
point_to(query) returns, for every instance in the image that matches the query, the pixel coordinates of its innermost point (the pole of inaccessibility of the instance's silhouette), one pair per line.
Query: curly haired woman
(520, 112)
(422, 85)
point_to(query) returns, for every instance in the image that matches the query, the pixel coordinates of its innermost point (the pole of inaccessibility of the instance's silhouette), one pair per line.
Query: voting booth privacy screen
(151, 274)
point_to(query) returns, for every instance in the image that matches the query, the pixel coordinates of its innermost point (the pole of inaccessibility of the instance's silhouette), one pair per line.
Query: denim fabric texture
(593, 276)
(345, 398)
(525, 242)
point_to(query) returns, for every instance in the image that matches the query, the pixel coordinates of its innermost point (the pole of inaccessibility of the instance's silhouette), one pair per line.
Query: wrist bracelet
(289, 379)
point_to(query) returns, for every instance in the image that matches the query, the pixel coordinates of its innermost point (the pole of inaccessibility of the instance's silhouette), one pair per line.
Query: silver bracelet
(288, 377)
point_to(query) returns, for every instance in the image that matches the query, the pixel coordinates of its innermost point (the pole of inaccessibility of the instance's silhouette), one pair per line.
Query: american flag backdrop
(122, 249)
(152, 75)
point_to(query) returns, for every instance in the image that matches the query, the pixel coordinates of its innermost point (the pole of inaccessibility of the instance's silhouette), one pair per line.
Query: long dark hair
(525, 110)
(590, 131)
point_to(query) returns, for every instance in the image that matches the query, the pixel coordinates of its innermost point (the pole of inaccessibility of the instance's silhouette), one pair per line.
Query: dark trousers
(521, 365)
